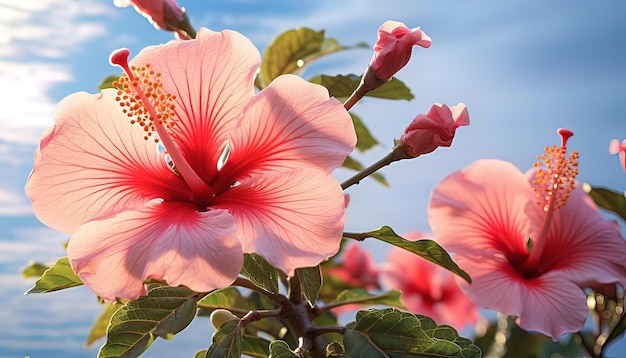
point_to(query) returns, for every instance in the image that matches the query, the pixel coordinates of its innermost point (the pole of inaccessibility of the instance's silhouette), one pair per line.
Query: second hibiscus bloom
(237, 172)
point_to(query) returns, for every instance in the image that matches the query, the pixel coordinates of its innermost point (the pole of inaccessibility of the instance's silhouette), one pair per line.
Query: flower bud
(615, 147)
(220, 316)
(163, 14)
(393, 49)
(428, 131)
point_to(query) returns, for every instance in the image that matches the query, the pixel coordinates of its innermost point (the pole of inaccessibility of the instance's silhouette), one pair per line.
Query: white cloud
(31, 34)
(13, 204)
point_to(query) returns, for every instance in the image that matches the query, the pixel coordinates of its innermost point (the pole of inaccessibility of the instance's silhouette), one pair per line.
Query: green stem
(355, 179)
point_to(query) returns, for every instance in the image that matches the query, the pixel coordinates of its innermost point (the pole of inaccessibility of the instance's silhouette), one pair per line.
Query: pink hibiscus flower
(427, 289)
(238, 173)
(620, 149)
(531, 242)
(357, 268)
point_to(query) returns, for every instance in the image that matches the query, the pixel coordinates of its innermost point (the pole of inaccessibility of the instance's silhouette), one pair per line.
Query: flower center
(554, 180)
(144, 101)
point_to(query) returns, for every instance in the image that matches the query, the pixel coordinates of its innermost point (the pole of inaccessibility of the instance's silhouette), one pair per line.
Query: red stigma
(119, 57)
(565, 135)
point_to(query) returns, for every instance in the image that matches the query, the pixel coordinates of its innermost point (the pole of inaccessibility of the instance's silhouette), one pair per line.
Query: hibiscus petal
(289, 124)
(292, 218)
(580, 242)
(93, 162)
(213, 79)
(482, 209)
(164, 241)
(550, 304)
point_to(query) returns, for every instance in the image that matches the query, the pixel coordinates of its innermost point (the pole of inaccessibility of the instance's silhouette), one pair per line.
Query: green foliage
(34, 269)
(260, 272)
(361, 296)
(108, 82)
(310, 283)
(341, 87)
(353, 164)
(428, 249)
(58, 277)
(335, 349)
(164, 312)
(392, 333)
(280, 349)
(293, 50)
(365, 139)
(250, 346)
(99, 328)
(227, 341)
(228, 297)
(608, 199)
(255, 346)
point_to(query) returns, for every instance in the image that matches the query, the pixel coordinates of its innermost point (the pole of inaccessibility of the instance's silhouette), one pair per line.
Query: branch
(386, 160)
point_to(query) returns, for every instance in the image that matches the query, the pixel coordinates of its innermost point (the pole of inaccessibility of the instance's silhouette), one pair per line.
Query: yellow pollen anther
(555, 177)
(133, 106)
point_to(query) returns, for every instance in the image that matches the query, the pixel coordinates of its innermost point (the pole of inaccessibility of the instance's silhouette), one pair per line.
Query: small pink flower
(237, 172)
(427, 289)
(357, 268)
(616, 148)
(435, 129)
(530, 243)
(393, 49)
(163, 14)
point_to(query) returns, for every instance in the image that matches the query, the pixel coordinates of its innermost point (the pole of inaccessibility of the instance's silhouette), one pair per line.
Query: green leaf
(255, 346)
(295, 49)
(394, 89)
(227, 341)
(310, 282)
(99, 328)
(260, 272)
(34, 269)
(280, 349)
(392, 333)
(608, 199)
(365, 139)
(164, 312)
(353, 164)
(108, 82)
(428, 249)
(58, 277)
(342, 86)
(224, 298)
(361, 296)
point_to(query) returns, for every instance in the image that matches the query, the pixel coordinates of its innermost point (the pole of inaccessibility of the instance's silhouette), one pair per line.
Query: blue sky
(522, 68)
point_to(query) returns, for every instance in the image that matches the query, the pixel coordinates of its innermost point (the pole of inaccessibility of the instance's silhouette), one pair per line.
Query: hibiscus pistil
(146, 103)
(552, 186)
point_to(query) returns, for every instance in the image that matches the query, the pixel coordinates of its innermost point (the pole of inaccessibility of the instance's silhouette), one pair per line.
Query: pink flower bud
(615, 147)
(163, 14)
(393, 49)
(435, 129)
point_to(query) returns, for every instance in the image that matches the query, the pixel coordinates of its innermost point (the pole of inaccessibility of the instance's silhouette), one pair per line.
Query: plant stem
(386, 160)
(355, 236)
(298, 318)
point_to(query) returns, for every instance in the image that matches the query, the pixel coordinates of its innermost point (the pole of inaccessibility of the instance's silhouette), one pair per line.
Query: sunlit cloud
(32, 33)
